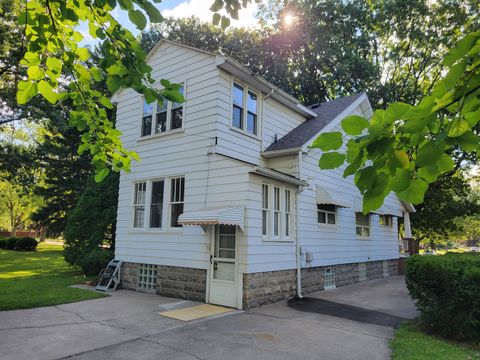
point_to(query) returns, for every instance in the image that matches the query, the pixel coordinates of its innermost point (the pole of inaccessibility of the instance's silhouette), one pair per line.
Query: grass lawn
(41, 278)
(410, 343)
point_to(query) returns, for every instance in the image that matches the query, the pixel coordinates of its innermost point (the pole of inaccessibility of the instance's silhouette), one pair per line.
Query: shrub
(94, 261)
(10, 243)
(446, 290)
(26, 243)
(3, 243)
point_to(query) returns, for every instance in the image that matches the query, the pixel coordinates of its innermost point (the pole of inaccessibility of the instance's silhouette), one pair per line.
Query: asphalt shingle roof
(326, 111)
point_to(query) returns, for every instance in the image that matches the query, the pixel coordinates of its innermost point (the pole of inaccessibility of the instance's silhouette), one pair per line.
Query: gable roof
(326, 112)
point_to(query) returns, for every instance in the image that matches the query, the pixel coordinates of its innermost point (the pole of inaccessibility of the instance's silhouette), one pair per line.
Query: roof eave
(283, 152)
(276, 175)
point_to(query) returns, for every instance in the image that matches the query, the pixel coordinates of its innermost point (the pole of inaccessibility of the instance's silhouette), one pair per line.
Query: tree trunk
(43, 233)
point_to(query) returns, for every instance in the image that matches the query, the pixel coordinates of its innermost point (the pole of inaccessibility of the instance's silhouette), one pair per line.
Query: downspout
(297, 228)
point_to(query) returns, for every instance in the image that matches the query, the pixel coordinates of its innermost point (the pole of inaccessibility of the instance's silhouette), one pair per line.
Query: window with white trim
(244, 99)
(168, 116)
(385, 220)
(326, 214)
(177, 190)
(140, 190)
(288, 213)
(265, 210)
(362, 224)
(158, 203)
(276, 211)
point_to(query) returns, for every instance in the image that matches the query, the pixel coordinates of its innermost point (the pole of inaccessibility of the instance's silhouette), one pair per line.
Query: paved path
(127, 326)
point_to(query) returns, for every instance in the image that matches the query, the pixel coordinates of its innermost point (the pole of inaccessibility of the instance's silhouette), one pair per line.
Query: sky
(180, 9)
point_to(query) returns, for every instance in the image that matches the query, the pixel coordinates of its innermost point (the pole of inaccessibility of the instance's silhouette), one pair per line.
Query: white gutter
(272, 174)
(297, 237)
(282, 152)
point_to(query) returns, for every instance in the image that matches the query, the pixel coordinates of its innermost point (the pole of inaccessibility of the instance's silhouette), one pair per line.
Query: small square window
(326, 214)
(147, 278)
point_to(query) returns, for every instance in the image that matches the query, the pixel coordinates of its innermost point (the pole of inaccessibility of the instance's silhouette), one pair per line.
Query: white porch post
(406, 221)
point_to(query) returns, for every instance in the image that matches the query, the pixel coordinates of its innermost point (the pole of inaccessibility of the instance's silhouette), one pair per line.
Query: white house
(228, 204)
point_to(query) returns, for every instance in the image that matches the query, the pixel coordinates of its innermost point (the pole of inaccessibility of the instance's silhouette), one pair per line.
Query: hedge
(18, 243)
(26, 243)
(95, 261)
(446, 290)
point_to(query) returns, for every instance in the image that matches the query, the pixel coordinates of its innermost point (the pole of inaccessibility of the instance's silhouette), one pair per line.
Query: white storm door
(223, 274)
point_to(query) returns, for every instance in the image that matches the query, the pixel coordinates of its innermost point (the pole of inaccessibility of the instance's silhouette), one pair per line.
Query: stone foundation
(272, 286)
(180, 282)
(129, 276)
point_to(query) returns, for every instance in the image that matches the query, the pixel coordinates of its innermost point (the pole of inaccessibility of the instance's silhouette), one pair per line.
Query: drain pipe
(297, 237)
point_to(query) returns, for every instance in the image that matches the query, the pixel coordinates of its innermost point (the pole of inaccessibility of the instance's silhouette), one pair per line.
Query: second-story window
(168, 116)
(245, 109)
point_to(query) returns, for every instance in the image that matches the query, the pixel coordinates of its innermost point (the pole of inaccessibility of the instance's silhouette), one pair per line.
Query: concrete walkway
(127, 326)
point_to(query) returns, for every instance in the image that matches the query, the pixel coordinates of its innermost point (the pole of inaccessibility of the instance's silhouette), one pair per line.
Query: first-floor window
(176, 200)
(153, 206)
(276, 211)
(288, 213)
(362, 224)
(140, 190)
(265, 210)
(386, 220)
(326, 214)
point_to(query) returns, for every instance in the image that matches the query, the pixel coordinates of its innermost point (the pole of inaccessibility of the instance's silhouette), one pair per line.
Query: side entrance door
(223, 273)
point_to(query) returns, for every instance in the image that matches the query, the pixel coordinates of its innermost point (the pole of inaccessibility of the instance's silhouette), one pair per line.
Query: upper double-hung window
(245, 109)
(169, 116)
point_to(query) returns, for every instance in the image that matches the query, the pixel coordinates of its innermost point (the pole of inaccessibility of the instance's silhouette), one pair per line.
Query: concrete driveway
(127, 326)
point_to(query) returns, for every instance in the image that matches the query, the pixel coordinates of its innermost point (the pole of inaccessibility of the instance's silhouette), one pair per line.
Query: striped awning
(222, 216)
(383, 210)
(331, 197)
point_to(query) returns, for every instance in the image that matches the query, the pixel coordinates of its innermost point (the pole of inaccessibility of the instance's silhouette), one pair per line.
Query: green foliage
(95, 261)
(446, 290)
(91, 223)
(10, 243)
(3, 243)
(26, 243)
(410, 342)
(52, 52)
(421, 137)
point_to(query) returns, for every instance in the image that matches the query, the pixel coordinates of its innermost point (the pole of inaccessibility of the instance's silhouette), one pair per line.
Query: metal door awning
(331, 197)
(222, 216)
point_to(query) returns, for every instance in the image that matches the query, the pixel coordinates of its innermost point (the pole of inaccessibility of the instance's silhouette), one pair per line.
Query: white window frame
(266, 210)
(363, 227)
(287, 200)
(388, 220)
(169, 109)
(243, 129)
(136, 204)
(173, 196)
(326, 212)
(166, 205)
(277, 212)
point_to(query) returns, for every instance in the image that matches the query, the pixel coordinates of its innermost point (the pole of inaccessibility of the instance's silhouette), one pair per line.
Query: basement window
(329, 278)
(147, 278)
(362, 271)
(386, 273)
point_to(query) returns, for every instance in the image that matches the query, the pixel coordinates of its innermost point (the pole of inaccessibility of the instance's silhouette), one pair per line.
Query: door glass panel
(224, 270)
(225, 242)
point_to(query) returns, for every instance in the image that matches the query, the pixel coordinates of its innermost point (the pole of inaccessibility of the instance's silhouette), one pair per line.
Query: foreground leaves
(404, 148)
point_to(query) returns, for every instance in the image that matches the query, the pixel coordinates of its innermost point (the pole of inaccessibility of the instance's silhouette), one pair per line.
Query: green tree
(92, 222)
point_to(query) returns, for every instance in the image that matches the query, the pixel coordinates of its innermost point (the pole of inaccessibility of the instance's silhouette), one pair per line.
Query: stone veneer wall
(172, 281)
(181, 282)
(271, 286)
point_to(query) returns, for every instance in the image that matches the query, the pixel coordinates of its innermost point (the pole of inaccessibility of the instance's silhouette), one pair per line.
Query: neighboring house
(228, 204)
